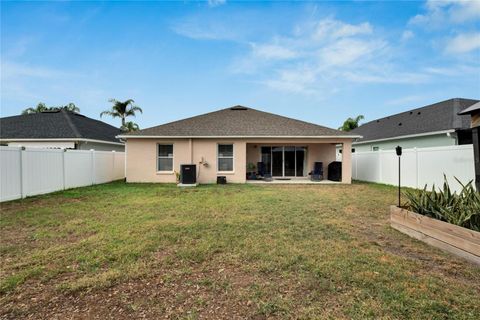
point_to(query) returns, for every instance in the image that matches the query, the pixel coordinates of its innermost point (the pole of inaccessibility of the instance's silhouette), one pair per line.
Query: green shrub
(462, 209)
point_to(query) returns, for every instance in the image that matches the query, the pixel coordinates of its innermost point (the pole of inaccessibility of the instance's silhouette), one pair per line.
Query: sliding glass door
(284, 161)
(277, 161)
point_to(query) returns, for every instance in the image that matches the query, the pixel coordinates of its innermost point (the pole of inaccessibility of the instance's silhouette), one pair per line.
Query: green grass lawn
(235, 251)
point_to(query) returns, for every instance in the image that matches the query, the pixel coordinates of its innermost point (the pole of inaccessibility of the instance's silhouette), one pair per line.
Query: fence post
(379, 166)
(93, 165)
(113, 165)
(64, 170)
(356, 167)
(22, 174)
(416, 167)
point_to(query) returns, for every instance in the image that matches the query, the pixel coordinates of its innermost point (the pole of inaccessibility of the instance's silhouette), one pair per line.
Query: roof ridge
(71, 124)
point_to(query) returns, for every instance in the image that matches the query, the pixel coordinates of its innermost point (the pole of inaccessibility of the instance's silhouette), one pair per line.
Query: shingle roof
(432, 118)
(56, 124)
(238, 121)
(475, 107)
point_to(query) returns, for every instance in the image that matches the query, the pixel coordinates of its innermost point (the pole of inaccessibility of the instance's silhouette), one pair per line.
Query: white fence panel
(11, 176)
(78, 169)
(419, 167)
(104, 163)
(367, 166)
(456, 162)
(119, 165)
(42, 171)
(32, 171)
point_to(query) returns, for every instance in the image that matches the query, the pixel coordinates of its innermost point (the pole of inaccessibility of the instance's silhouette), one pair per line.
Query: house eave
(406, 136)
(238, 137)
(59, 140)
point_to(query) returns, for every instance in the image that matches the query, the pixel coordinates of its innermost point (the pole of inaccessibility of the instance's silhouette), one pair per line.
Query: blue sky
(317, 61)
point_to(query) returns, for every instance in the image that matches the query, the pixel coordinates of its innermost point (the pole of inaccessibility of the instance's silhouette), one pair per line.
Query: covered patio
(293, 161)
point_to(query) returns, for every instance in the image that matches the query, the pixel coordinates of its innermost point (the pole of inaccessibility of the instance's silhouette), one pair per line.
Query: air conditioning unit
(188, 174)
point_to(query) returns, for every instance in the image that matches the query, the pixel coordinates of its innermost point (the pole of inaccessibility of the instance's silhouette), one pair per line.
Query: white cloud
(347, 51)
(272, 51)
(216, 3)
(335, 29)
(10, 70)
(463, 43)
(407, 35)
(440, 13)
(320, 53)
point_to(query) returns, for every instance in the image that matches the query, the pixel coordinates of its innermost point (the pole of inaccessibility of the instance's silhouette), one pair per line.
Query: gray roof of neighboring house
(475, 107)
(58, 124)
(439, 116)
(238, 121)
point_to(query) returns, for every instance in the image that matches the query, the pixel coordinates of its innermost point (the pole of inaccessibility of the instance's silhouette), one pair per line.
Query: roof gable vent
(238, 108)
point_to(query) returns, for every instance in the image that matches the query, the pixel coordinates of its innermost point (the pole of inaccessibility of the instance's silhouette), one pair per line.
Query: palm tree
(41, 107)
(351, 123)
(122, 109)
(130, 126)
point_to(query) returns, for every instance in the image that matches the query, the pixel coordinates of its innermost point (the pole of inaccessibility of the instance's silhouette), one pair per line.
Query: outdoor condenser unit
(188, 174)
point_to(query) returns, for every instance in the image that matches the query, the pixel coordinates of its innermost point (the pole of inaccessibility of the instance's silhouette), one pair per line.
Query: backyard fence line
(31, 171)
(419, 166)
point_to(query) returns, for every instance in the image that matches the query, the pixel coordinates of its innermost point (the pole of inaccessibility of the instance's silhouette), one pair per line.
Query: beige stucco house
(223, 142)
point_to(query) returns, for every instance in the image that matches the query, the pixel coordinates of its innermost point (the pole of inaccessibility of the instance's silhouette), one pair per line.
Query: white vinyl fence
(32, 171)
(419, 166)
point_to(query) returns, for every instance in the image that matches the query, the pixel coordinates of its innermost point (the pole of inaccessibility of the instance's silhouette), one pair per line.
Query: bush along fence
(420, 166)
(31, 171)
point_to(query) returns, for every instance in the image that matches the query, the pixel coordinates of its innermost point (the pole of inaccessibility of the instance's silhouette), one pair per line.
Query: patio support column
(347, 162)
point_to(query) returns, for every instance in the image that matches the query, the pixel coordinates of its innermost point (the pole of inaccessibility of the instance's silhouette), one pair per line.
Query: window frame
(165, 157)
(232, 157)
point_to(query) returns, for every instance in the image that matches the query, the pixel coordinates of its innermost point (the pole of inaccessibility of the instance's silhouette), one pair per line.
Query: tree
(130, 126)
(41, 107)
(122, 110)
(351, 123)
(69, 107)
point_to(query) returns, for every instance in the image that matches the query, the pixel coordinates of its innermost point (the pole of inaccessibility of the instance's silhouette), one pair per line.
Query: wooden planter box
(454, 239)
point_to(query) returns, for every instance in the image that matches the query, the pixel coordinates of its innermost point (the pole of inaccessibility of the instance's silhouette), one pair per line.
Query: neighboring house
(59, 129)
(434, 125)
(474, 112)
(223, 142)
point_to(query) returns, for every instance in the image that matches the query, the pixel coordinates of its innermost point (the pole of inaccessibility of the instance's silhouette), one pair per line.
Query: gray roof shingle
(435, 117)
(238, 121)
(56, 124)
(471, 109)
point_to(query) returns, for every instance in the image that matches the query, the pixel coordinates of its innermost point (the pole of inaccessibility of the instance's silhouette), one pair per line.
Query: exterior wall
(142, 160)
(142, 157)
(87, 145)
(476, 120)
(439, 140)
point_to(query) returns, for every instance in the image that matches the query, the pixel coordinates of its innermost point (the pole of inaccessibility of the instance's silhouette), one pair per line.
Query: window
(165, 157)
(225, 157)
(375, 148)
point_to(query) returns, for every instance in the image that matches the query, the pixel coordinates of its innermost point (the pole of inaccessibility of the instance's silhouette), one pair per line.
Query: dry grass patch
(235, 251)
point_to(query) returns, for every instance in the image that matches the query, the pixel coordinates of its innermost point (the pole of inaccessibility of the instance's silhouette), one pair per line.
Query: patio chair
(317, 173)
